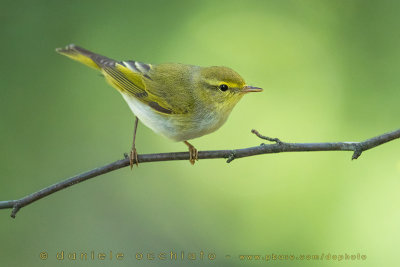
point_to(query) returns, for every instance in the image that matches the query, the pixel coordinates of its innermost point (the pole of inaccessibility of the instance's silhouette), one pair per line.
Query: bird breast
(178, 127)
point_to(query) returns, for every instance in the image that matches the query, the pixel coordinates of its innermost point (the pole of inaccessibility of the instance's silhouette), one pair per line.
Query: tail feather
(86, 57)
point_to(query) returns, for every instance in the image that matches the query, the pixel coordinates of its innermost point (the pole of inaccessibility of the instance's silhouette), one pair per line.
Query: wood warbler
(178, 101)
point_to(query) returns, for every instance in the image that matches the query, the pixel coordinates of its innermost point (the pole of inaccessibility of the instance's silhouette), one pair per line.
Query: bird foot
(133, 158)
(193, 153)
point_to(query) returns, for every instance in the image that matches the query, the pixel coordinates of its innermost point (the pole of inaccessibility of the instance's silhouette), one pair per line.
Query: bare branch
(230, 155)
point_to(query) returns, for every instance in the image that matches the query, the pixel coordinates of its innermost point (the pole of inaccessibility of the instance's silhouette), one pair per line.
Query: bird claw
(133, 157)
(193, 155)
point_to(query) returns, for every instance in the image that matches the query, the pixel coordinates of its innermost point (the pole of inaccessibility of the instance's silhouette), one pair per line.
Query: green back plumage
(152, 85)
(169, 88)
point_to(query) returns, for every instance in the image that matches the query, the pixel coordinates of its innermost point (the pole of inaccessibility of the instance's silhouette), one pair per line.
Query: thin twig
(276, 140)
(230, 155)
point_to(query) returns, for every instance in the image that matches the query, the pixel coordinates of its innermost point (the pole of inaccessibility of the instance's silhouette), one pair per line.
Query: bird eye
(223, 87)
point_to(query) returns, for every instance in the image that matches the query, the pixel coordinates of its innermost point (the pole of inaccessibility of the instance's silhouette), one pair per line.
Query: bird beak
(248, 89)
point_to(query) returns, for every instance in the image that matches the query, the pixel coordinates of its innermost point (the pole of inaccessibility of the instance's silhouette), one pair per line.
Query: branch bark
(230, 155)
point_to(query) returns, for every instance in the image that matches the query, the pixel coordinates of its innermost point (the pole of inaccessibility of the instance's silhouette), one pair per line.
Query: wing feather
(130, 81)
(126, 76)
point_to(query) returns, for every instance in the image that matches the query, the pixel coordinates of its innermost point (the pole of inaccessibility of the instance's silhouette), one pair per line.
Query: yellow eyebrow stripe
(230, 85)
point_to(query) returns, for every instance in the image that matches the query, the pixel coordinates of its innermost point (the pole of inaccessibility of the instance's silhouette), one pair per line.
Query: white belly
(158, 123)
(175, 127)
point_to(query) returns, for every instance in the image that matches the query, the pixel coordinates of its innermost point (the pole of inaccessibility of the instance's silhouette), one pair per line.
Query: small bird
(178, 101)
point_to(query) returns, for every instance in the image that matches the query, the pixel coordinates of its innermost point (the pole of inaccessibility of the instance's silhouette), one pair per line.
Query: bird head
(223, 86)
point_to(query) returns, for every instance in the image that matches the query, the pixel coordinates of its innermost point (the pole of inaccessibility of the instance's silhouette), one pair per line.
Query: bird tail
(86, 57)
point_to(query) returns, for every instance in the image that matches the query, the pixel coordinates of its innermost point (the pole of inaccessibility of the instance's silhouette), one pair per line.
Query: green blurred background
(330, 70)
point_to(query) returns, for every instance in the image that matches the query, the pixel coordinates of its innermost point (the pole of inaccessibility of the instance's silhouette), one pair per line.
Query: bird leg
(192, 152)
(134, 155)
